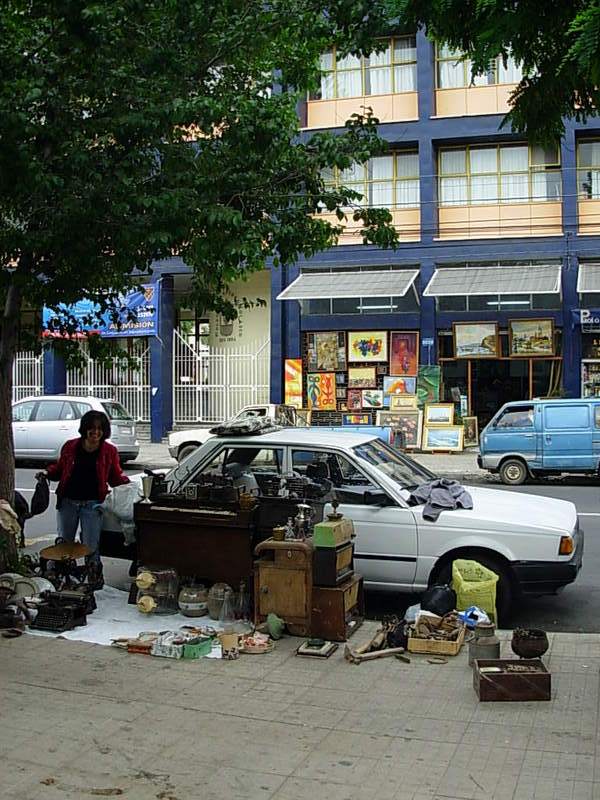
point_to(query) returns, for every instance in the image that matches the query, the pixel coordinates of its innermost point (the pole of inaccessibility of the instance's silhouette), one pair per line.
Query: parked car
(533, 543)
(537, 438)
(182, 443)
(41, 425)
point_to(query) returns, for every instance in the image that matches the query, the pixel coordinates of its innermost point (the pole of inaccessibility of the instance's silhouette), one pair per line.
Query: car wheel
(185, 450)
(505, 589)
(513, 472)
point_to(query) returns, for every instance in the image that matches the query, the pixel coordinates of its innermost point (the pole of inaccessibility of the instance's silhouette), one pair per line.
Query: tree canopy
(558, 43)
(133, 130)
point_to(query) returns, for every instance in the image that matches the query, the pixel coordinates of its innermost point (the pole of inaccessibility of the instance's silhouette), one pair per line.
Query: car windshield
(395, 465)
(116, 411)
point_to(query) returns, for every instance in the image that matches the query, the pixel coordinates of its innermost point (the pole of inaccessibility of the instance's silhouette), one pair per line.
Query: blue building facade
(494, 230)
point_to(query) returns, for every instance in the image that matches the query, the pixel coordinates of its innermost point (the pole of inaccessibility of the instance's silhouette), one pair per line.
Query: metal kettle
(484, 645)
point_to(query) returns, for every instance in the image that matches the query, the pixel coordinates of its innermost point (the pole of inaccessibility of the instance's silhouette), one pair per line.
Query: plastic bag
(439, 599)
(411, 613)
(473, 616)
(475, 585)
(41, 497)
(120, 503)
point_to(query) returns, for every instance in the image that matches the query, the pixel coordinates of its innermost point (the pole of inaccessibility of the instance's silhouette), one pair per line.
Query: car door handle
(548, 438)
(529, 435)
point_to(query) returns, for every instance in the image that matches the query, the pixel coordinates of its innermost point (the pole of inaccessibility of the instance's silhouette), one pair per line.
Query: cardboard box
(436, 647)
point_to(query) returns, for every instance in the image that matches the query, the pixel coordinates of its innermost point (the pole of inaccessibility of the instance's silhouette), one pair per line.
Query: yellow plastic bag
(475, 585)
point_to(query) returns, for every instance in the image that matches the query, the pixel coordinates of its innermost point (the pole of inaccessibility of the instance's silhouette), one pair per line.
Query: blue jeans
(86, 512)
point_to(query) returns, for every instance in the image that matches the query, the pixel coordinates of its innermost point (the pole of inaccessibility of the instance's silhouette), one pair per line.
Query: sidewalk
(83, 720)
(462, 466)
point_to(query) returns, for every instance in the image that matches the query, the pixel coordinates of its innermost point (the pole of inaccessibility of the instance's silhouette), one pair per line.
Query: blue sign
(142, 303)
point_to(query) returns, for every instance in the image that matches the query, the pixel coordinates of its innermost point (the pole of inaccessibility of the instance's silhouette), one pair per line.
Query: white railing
(130, 385)
(212, 384)
(28, 375)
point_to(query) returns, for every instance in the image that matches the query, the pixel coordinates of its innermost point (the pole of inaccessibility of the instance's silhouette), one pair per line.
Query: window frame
(395, 180)
(532, 169)
(590, 170)
(493, 72)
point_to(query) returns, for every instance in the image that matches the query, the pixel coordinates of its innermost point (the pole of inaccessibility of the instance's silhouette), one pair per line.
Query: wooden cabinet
(337, 612)
(283, 583)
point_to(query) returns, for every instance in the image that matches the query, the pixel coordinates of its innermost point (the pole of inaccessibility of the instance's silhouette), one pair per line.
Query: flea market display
(226, 569)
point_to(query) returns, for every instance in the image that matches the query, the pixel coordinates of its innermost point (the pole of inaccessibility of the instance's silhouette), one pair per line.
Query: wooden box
(509, 684)
(337, 612)
(435, 647)
(332, 533)
(332, 566)
(283, 583)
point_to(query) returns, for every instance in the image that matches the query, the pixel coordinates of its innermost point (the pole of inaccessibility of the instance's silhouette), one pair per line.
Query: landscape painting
(362, 378)
(475, 339)
(449, 438)
(531, 337)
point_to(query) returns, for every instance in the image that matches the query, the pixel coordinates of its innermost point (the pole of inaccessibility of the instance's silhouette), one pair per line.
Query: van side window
(566, 417)
(597, 416)
(516, 417)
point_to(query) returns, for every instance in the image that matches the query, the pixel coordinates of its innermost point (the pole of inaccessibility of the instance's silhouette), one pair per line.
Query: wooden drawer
(337, 612)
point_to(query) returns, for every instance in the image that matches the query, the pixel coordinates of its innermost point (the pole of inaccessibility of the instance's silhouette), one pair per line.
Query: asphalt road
(575, 609)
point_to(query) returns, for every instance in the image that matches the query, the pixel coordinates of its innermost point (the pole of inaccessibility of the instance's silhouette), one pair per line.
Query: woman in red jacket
(87, 466)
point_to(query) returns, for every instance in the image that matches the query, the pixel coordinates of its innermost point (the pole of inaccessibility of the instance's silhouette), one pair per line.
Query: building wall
(253, 323)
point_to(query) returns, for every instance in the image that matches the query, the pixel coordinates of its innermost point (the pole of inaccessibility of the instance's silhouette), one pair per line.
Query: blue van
(542, 437)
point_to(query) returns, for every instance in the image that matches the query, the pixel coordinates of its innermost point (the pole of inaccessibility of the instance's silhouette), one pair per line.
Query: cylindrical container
(216, 595)
(279, 533)
(157, 590)
(193, 600)
(484, 645)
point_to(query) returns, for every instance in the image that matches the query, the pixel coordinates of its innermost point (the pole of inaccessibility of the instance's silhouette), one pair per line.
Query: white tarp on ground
(116, 619)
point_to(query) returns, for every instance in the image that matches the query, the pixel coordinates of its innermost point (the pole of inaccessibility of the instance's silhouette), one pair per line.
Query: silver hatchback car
(41, 425)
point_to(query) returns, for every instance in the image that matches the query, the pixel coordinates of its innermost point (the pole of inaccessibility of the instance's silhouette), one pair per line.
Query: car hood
(496, 509)
(199, 435)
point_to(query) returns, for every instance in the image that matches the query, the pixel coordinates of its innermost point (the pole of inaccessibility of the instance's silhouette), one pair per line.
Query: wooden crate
(512, 686)
(434, 647)
(333, 565)
(337, 612)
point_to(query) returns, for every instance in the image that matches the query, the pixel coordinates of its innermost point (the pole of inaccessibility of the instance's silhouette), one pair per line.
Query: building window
(390, 71)
(455, 72)
(499, 174)
(588, 170)
(390, 181)
(409, 303)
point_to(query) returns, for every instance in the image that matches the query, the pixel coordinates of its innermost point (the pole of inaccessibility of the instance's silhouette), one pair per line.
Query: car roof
(562, 400)
(76, 398)
(302, 436)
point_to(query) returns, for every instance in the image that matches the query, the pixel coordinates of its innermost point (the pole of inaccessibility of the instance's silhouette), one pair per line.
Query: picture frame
(340, 393)
(387, 418)
(428, 384)
(354, 399)
(311, 353)
(471, 434)
(293, 382)
(372, 398)
(356, 419)
(439, 414)
(528, 338)
(393, 385)
(404, 353)
(362, 378)
(303, 416)
(320, 391)
(410, 423)
(476, 339)
(403, 402)
(367, 346)
(447, 438)
(330, 349)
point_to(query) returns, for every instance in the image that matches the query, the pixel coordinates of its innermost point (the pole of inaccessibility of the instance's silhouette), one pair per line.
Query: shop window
(345, 305)
(549, 301)
(407, 303)
(483, 302)
(317, 306)
(590, 300)
(455, 72)
(516, 417)
(546, 377)
(452, 303)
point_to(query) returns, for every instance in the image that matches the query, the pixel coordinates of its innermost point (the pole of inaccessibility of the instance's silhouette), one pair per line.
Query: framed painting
(293, 382)
(320, 391)
(303, 416)
(397, 386)
(372, 398)
(475, 339)
(446, 438)
(530, 337)
(356, 419)
(340, 393)
(403, 402)
(428, 384)
(471, 429)
(330, 348)
(311, 352)
(410, 423)
(354, 399)
(404, 353)
(439, 414)
(362, 378)
(368, 346)
(387, 419)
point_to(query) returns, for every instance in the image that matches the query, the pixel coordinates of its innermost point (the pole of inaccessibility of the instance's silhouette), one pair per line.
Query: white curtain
(382, 194)
(453, 162)
(514, 188)
(405, 78)
(407, 193)
(379, 81)
(354, 173)
(484, 189)
(453, 191)
(349, 83)
(595, 185)
(483, 160)
(513, 159)
(407, 165)
(451, 74)
(327, 86)
(405, 50)
(511, 73)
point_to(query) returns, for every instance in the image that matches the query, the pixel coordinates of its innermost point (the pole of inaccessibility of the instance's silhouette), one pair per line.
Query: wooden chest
(337, 612)
(512, 680)
(283, 578)
(333, 565)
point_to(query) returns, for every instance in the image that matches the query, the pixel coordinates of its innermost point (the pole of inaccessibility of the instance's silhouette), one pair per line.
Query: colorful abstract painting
(330, 350)
(372, 398)
(320, 391)
(293, 382)
(428, 384)
(354, 399)
(367, 346)
(393, 386)
(404, 353)
(356, 419)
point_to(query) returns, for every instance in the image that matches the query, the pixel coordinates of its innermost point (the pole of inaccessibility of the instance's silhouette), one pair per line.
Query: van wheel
(513, 472)
(505, 588)
(185, 451)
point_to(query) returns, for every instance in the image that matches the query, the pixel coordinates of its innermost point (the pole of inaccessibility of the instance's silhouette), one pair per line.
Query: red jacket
(108, 468)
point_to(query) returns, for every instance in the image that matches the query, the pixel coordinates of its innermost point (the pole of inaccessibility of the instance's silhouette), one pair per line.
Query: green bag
(475, 585)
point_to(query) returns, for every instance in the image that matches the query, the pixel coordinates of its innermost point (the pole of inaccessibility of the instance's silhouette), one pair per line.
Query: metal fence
(28, 375)
(129, 385)
(213, 384)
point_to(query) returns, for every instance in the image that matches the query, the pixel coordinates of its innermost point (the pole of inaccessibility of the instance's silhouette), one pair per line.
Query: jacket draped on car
(108, 468)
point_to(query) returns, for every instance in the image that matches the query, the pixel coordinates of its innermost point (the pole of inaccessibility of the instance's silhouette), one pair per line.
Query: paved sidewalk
(456, 465)
(82, 720)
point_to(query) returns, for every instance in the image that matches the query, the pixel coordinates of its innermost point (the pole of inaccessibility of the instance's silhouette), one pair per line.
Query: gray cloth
(440, 495)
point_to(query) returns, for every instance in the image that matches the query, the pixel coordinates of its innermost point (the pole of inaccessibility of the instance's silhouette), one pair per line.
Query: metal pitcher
(484, 645)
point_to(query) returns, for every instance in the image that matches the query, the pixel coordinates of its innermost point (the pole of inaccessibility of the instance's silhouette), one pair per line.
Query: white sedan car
(533, 543)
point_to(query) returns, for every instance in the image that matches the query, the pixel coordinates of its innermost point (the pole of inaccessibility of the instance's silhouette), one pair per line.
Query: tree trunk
(9, 325)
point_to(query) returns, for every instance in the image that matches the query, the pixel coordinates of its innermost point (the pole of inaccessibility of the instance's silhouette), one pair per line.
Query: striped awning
(509, 279)
(370, 283)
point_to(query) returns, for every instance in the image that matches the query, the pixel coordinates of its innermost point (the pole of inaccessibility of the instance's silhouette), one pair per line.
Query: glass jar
(216, 595)
(193, 600)
(157, 590)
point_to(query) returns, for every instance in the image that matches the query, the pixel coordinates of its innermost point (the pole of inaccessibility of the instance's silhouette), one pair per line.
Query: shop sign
(589, 320)
(141, 303)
